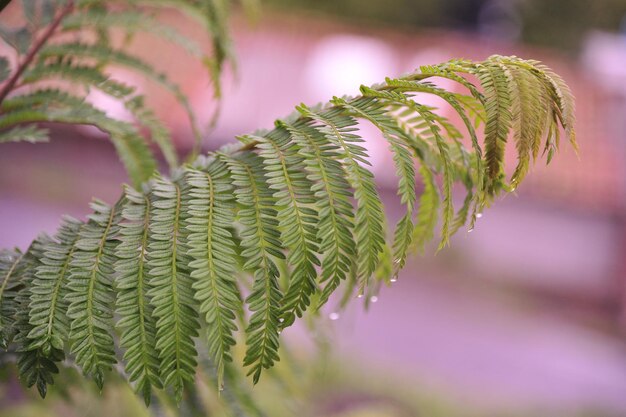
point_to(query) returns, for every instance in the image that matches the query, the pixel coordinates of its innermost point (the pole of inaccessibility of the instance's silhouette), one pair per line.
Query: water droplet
(360, 295)
(333, 316)
(396, 261)
(373, 298)
(470, 230)
(394, 278)
(279, 331)
(513, 189)
(479, 215)
(281, 319)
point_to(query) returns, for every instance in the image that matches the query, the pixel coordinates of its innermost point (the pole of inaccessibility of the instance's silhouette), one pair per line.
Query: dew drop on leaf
(333, 316)
(373, 298)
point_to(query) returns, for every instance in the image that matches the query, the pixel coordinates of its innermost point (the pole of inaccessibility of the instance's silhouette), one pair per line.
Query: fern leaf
(211, 215)
(292, 189)
(130, 21)
(332, 199)
(369, 216)
(9, 261)
(376, 112)
(212, 16)
(496, 81)
(103, 53)
(159, 133)
(34, 367)
(453, 101)
(32, 134)
(51, 105)
(90, 293)
(171, 291)
(261, 243)
(48, 305)
(427, 213)
(78, 74)
(137, 321)
(5, 70)
(528, 119)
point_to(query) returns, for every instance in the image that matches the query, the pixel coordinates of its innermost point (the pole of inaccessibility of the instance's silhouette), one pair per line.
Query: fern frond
(132, 22)
(291, 188)
(90, 294)
(32, 134)
(159, 133)
(34, 366)
(427, 213)
(53, 105)
(212, 16)
(103, 53)
(171, 291)
(369, 216)
(211, 215)
(295, 207)
(332, 200)
(137, 321)
(48, 305)
(376, 113)
(5, 69)
(261, 244)
(9, 261)
(496, 81)
(86, 75)
(454, 100)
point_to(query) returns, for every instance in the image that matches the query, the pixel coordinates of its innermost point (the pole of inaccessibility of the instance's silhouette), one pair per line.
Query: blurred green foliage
(306, 386)
(560, 24)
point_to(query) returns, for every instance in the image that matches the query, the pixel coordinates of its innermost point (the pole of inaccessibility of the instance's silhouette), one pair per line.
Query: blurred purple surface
(524, 312)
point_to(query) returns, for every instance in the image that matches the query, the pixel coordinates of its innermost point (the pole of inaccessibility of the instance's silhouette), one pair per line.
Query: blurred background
(524, 316)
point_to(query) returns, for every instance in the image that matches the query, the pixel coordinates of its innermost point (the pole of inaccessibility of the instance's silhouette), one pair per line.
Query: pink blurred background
(528, 312)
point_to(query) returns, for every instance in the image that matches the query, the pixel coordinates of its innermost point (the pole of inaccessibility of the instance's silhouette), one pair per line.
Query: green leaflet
(296, 217)
(137, 321)
(261, 243)
(332, 196)
(496, 81)
(132, 22)
(376, 113)
(159, 133)
(105, 54)
(4, 68)
(171, 292)
(9, 262)
(90, 294)
(78, 74)
(369, 216)
(52, 105)
(427, 212)
(30, 133)
(211, 215)
(34, 366)
(48, 305)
